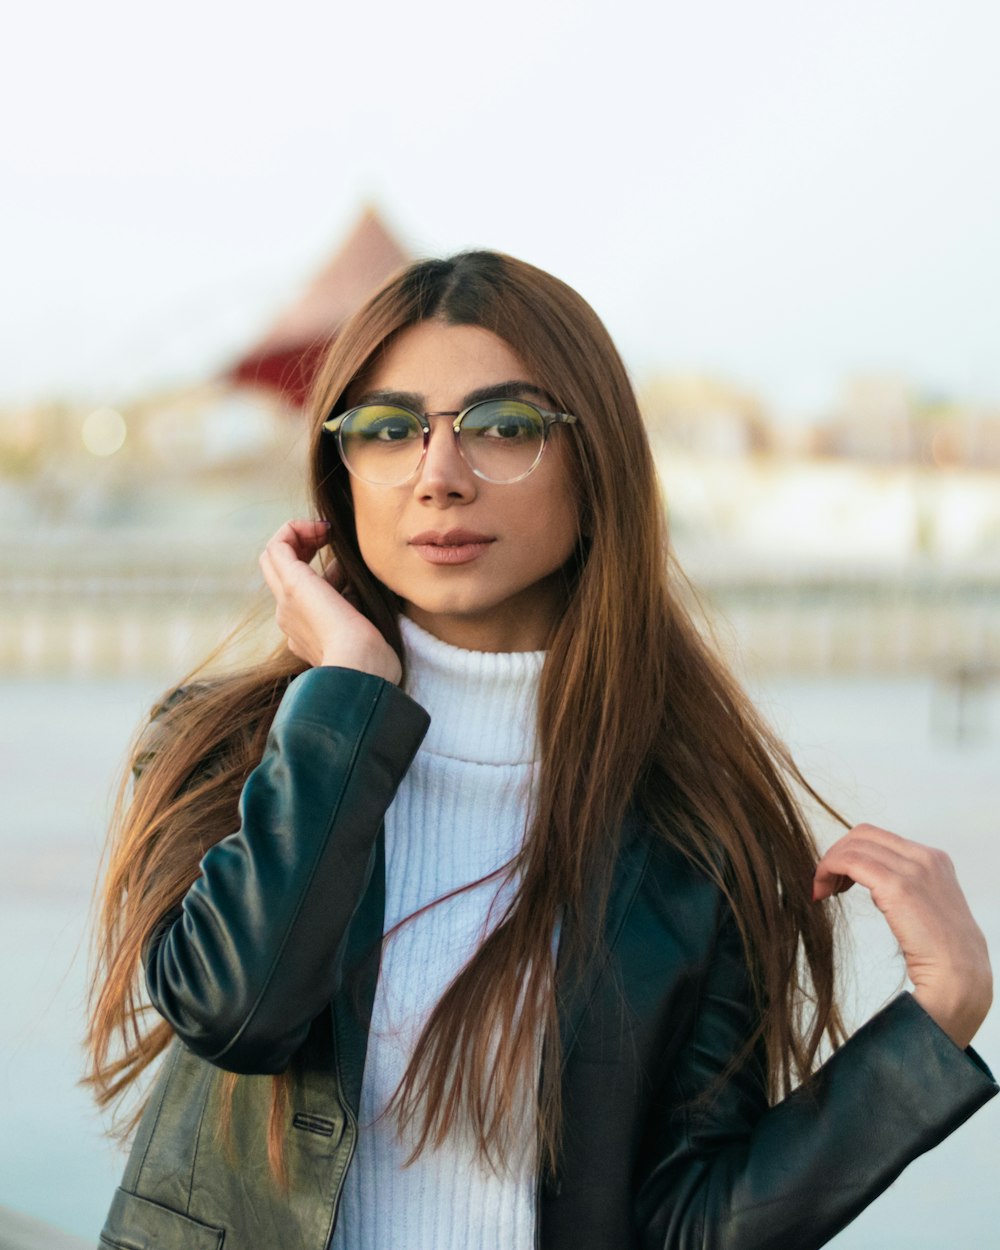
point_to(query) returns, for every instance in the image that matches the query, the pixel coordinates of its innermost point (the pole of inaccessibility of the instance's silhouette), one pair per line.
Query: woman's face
(474, 562)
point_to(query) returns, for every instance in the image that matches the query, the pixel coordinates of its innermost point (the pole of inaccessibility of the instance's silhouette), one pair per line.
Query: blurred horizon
(865, 541)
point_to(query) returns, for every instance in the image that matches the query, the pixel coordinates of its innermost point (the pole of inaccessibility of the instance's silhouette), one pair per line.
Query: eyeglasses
(501, 440)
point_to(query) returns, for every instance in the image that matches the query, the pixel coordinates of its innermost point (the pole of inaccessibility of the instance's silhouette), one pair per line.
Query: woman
(539, 969)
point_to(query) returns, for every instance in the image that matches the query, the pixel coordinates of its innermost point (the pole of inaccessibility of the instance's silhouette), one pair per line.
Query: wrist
(956, 1013)
(383, 663)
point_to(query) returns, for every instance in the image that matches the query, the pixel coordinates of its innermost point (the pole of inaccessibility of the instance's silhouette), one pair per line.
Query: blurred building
(881, 419)
(285, 361)
(704, 416)
(171, 456)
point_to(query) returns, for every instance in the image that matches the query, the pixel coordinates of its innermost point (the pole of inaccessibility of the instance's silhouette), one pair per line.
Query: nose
(445, 477)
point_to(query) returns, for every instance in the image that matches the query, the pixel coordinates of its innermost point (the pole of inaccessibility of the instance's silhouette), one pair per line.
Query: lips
(452, 547)
(451, 538)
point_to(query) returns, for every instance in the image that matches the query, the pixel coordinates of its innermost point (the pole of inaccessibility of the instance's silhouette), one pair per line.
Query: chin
(458, 608)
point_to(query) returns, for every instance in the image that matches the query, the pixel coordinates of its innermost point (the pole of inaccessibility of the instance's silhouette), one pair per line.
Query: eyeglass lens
(500, 439)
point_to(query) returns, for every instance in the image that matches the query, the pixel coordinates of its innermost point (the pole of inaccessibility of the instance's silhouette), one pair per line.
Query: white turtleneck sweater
(459, 814)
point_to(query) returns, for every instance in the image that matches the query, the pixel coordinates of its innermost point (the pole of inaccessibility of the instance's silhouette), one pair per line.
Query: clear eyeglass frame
(549, 418)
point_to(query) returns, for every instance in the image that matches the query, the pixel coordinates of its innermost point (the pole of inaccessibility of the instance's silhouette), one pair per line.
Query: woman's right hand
(916, 890)
(320, 625)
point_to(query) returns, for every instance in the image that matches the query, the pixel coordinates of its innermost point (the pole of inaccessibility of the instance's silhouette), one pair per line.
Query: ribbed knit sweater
(459, 814)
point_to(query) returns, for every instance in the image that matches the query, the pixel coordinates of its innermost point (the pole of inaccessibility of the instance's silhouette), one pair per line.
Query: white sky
(782, 192)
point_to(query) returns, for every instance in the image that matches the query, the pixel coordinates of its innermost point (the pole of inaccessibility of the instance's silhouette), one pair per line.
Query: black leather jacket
(252, 974)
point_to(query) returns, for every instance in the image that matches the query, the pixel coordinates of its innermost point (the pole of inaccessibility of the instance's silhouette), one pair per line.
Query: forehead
(443, 363)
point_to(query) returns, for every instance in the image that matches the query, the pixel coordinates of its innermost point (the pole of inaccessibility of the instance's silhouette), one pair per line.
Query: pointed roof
(286, 358)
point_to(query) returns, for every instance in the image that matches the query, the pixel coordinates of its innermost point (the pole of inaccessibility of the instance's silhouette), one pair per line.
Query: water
(881, 750)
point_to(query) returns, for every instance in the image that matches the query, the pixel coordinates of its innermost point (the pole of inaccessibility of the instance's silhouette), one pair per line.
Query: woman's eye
(390, 431)
(506, 430)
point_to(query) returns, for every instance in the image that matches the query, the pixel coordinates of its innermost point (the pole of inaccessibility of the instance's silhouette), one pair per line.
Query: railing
(125, 607)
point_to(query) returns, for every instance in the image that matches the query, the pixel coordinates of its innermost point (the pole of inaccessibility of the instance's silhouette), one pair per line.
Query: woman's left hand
(916, 889)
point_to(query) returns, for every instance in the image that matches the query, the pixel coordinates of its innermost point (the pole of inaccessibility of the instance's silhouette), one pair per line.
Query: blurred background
(786, 214)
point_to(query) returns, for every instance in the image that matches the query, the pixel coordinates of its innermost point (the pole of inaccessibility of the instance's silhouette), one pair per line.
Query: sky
(783, 194)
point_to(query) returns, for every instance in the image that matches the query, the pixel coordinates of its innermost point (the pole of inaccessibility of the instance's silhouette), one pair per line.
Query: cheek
(548, 532)
(569, 530)
(372, 526)
(559, 514)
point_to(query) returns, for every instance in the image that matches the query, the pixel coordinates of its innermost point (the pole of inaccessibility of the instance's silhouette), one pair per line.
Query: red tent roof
(287, 357)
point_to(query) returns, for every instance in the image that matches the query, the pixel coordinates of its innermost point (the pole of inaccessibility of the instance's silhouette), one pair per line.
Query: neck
(523, 622)
(483, 705)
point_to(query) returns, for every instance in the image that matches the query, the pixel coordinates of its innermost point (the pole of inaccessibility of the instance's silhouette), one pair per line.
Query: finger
(917, 853)
(270, 574)
(299, 540)
(830, 884)
(921, 858)
(885, 837)
(282, 571)
(872, 864)
(289, 563)
(908, 856)
(278, 584)
(302, 525)
(311, 534)
(837, 870)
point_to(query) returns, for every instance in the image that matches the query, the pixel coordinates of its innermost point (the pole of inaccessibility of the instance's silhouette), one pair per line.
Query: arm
(254, 953)
(733, 1174)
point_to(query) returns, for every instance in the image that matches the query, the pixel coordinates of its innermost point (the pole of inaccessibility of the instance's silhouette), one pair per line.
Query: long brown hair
(635, 711)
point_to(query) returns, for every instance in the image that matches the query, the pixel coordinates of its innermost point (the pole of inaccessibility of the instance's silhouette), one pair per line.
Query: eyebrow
(498, 390)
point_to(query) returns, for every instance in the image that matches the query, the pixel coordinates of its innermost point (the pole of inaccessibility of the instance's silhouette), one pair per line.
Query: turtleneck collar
(482, 704)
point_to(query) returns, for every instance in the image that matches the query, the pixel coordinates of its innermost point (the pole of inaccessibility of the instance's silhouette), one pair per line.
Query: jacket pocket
(135, 1223)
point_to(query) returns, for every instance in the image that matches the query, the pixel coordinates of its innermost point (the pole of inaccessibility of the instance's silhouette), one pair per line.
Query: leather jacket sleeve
(727, 1172)
(254, 952)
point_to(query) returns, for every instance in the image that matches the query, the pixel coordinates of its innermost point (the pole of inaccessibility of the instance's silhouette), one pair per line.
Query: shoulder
(672, 862)
(208, 717)
(160, 726)
(155, 730)
(678, 895)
